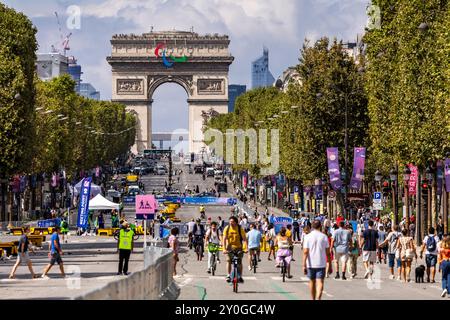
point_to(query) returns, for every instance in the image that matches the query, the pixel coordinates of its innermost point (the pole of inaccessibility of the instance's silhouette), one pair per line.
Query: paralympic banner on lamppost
(333, 168)
(359, 157)
(447, 174)
(83, 206)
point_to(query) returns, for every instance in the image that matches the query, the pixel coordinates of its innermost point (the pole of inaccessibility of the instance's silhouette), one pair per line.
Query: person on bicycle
(254, 244)
(199, 234)
(284, 243)
(213, 240)
(233, 240)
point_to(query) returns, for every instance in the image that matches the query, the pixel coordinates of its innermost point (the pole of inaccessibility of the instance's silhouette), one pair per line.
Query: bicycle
(283, 268)
(254, 260)
(213, 249)
(235, 271)
(199, 247)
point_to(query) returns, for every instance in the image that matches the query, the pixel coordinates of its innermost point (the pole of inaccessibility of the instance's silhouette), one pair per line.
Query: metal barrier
(155, 282)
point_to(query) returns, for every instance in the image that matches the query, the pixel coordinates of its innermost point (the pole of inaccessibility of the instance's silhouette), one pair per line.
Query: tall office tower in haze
(261, 76)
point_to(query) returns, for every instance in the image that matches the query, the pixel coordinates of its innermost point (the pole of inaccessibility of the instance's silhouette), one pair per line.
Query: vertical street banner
(333, 168)
(83, 206)
(439, 176)
(296, 195)
(145, 206)
(447, 174)
(359, 157)
(412, 180)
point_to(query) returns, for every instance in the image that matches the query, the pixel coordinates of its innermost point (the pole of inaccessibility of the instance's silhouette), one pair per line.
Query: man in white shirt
(316, 251)
(430, 246)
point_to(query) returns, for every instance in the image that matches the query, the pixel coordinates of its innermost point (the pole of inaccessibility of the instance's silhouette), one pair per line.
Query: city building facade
(51, 65)
(234, 91)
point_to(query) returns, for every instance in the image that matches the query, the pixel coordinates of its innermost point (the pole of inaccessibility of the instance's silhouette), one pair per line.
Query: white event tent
(101, 203)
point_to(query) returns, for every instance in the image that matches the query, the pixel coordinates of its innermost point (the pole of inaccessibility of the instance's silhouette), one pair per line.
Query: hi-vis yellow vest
(125, 239)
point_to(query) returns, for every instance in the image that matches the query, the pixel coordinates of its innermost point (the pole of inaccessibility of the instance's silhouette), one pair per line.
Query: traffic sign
(377, 196)
(377, 206)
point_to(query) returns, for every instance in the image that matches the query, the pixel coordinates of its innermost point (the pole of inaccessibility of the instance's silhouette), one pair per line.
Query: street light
(406, 176)
(393, 177)
(429, 176)
(378, 176)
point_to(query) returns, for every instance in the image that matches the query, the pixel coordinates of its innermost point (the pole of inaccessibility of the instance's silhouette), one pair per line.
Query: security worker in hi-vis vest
(125, 246)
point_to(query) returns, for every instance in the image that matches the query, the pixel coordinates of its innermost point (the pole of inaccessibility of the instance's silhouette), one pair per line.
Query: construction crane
(64, 40)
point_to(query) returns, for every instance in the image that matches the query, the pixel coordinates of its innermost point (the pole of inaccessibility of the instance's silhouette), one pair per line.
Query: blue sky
(280, 25)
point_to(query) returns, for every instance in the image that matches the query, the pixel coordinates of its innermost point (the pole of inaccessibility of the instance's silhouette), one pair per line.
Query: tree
(328, 77)
(17, 64)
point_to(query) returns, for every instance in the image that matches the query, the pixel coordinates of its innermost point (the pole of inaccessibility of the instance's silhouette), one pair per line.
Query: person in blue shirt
(55, 253)
(254, 243)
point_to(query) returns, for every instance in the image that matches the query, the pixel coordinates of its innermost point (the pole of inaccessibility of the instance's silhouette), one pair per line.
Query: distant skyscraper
(75, 72)
(261, 76)
(87, 90)
(51, 65)
(234, 91)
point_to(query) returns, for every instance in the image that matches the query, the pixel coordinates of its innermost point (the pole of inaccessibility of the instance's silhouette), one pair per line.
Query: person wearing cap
(125, 246)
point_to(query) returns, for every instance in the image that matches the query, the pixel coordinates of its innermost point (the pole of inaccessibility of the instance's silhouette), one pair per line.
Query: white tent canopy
(95, 189)
(101, 203)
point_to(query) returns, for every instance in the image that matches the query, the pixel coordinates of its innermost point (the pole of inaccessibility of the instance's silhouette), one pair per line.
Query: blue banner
(279, 222)
(129, 199)
(49, 223)
(83, 206)
(200, 200)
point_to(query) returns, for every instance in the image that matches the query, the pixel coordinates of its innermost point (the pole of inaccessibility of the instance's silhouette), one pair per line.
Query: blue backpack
(431, 244)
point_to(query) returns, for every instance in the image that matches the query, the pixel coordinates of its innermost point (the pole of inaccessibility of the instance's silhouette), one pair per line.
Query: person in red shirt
(339, 218)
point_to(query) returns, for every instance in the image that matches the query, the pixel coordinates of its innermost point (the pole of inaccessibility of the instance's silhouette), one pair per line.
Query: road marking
(280, 290)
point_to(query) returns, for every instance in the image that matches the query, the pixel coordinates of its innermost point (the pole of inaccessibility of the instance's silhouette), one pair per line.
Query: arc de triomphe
(203, 73)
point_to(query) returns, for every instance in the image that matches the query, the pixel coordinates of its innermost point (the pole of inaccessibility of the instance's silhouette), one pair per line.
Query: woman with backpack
(407, 253)
(393, 253)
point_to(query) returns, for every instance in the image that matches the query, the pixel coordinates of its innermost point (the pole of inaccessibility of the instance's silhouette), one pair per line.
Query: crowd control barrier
(155, 282)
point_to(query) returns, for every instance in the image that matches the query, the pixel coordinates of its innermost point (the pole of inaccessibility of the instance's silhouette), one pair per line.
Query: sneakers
(241, 280)
(398, 278)
(366, 275)
(228, 278)
(444, 293)
(208, 271)
(249, 268)
(392, 277)
(45, 277)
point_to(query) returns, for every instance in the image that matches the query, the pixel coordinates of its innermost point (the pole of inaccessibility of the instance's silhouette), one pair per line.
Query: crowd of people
(330, 247)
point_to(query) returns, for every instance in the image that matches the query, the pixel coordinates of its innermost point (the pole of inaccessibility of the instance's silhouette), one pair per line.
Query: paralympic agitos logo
(167, 60)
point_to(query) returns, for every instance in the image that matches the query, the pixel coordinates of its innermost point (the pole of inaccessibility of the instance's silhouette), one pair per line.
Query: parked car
(210, 172)
(160, 170)
(198, 169)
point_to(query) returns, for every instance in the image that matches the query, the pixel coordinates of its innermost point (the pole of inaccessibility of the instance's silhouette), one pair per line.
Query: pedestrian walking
(55, 253)
(430, 246)
(64, 230)
(355, 252)
(125, 246)
(444, 264)
(407, 254)
(101, 221)
(369, 245)
(174, 244)
(340, 243)
(316, 251)
(270, 238)
(23, 255)
(393, 252)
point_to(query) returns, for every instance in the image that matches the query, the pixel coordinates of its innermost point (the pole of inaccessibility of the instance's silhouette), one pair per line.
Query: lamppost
(429, 176)
(406, 176)
(378, 177)
(393, 175)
